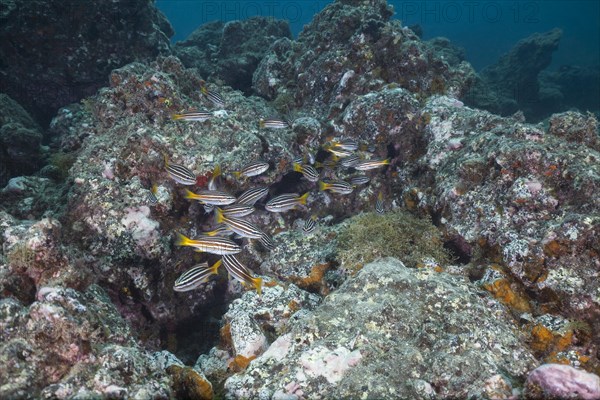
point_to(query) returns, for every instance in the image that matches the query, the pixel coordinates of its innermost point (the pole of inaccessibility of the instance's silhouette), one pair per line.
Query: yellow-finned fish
(179, 173)
(285, 202)
(196, 276)
(240, 272)
(198, 116)
(371, 164)
(308, 171)
(214, 197)
(340, 187)
(239, 226)
(252, 169)
(210, 244)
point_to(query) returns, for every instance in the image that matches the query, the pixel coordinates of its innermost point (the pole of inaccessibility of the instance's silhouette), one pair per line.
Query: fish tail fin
(297, 167)
(386, 161)
(322, 186)
(154, 188)
(261, 123)
(189, 194)
(215, 267)
(175, 117)
(166, 159)
(302, 199)
(183, 240)
(219, 215)
(203, 88)
(318, 164)
(257, 282)
(217, 171)
(237, 174)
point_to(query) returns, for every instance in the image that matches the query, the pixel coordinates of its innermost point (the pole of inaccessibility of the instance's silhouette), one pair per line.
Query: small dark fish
(214, 197)
(374, 163)
(240, 272)
(310, 224)
(252, 169)
(198, 116)
(308, 171)
(252, 195)
(195, 276)
(210, 244)
(379, 205)
(359, 180)
(340, 187)
(179, 173)
(285, 202)
(214, 97)
(273, 123)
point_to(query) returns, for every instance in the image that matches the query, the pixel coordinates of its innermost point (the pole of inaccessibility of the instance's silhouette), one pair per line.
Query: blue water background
(486, 29)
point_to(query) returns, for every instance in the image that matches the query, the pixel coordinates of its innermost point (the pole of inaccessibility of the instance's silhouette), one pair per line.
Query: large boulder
(393, 332)
(231, 51)
(56, 52)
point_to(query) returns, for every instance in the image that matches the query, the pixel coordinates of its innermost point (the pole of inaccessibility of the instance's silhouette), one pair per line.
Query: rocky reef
(519, 81)
(231, 51)
(57, 52)
(465, 265)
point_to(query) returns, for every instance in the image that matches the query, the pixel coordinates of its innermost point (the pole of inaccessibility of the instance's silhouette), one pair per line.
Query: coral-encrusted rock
(391, 332)
(250, 325)
(512, 83)
(231, 51)
(517, 194)
(303, 259)
(69, 343)
(55, 53)
(118, 140)
(35, 257)
(556, 381)
(351, 48)
(20, 137)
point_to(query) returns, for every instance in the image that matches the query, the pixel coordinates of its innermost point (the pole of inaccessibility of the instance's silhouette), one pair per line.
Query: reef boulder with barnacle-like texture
(57, 52)
(118, 140)
(524, 197)
(392, 332)
(349, 49)
(231, 51)
(68, 344)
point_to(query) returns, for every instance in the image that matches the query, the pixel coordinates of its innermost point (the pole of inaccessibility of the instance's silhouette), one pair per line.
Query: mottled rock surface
(21, 152)
(231, 51)
(349, 49)
(414, 333)
(57, 52)
(68, 342)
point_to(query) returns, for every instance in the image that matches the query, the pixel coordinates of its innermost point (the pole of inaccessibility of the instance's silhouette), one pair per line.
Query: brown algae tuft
(399, 234)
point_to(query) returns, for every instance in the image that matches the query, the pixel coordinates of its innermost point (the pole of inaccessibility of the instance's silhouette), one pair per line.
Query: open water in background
(486, 29)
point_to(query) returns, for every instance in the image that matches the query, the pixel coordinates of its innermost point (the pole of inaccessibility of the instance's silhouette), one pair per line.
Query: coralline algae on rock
(406, 330)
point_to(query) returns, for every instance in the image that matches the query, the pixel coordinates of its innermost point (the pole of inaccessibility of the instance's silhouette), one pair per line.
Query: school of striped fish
(231, 210)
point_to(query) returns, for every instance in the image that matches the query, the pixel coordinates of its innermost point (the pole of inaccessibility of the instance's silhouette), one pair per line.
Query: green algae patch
(368, 236)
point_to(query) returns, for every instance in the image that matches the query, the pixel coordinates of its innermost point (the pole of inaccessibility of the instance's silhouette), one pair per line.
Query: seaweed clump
(366, 237)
